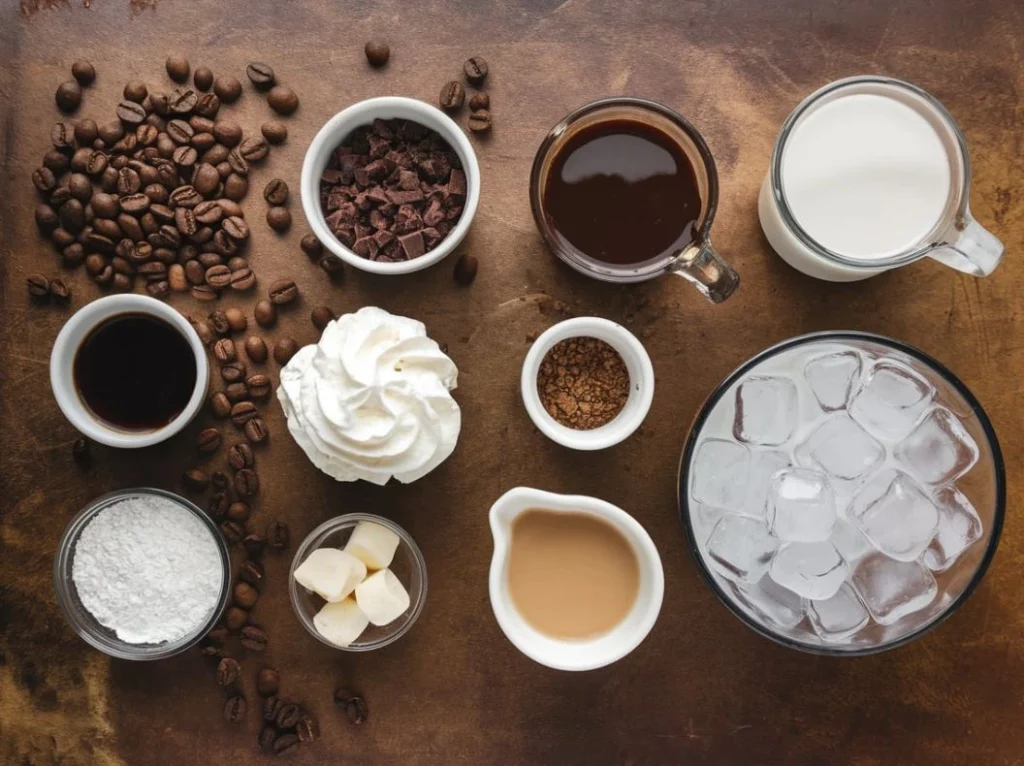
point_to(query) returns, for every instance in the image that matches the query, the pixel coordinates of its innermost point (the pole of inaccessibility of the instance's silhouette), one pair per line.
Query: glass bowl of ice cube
(842, 493)
(358, 582)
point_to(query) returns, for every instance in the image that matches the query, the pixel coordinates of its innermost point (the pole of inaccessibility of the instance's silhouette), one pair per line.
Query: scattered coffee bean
(476, 70)
(242, 413)
(279, 219)
(465, 269)
(258, 386)
(479, 101)
(453, 95)
(81, 452)
(266, 739)
(234, 708)
(285, 743)
(275, 131)
(69, 96)
(218, 504)
(195, 480)
(213, 651)
(235, 618)
(288, 716)
(260, 75)
(208, 440)
(219, 481)
(267, 681)
(218, 635)
(284, 350)
(321, 316)
(233, 531)
(245, 595)
(136, 91)
(228, 671)
(236, 319)
(236, 392)
(256, 349)
(271, 707)
(59, 291)
(377, 53)
(276, 192)
(38, 286)
(247, 483)
(480, 121)
(355, 707)
(256, 431)
(312, 247)
(243, 279)
(282, 292)
(220, 404)
(307, 729)
(178, 68)
(83, 72)
(332, 266)
(253, 638)
(203, 78)
(255, 545)
(282, 99)
(238, 511)
(233, 372)
(219, 322)
(265, 313)
(227, 89)
(251, 571)
(278, 535)
(224, 350)
(241, 456)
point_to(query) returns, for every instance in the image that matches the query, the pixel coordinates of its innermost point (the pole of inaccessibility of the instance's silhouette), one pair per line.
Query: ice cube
(811, 570)
(770, 601)
(895, 514)
(766, 410)
(843, 450)
(850, 543)
(740, 548)
(891, 399)
(801, 507)
(893, 589)
(836, 619)
(719, 474)
(939, 450)
(832, 378)
(763, 465)
(959, 528)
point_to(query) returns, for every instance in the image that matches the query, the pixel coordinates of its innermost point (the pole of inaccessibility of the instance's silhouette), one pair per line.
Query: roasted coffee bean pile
(453, 95)
(393, 190)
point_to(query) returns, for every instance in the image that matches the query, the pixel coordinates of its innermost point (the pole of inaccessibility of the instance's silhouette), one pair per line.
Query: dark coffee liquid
(623, 192)
(135, 371)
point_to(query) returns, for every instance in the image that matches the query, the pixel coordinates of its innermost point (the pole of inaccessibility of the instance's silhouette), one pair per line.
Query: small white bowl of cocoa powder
(587, 383)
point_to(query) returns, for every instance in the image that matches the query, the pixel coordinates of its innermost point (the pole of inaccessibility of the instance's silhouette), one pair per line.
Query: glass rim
(570, 255)
(779, 194)
(998, 469)
(67, 593)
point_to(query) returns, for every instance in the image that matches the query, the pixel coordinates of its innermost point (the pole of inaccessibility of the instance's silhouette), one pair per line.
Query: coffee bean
(86, 131)
(476, 70)
(355, 707)
(283, 291)
(278, 535)
(44, 180)
(275, 131)
(205, 179)
(242, 413)
(183, 100)
(83, 72)
(243, 279)
(234, 708)
(284, 350)
(218, 277)
(136, 91)
(251, 571)
(284, 743)
(185, 196)
(185, 157)
(227, 133)
(202, 142)
(233, 531)
(236, 319)
(62, 136)
(184, 220)
(208, 440)
(119, 283)
(232, 372)
(228, 89)
(282, 99)
(321, 316)
(207, 105)
(256, 349)
(228, 671)
(154, 271)
(238, 511)
(256, 431)
(38, 285)
(237, 163)
(276, 192)
(177, 68)
(218, 320)
(236, 228)
(254, 148)
(288, 716)
(176, 278)
(130, 113)
(220, 404)
(260, 75)
(245, 595)
(235, 618)
(219, 481)
(236, 392)
(195, 479)
(241, 456)
(271, 707)
(307, 729)
(254, 545)
(135, 204)
(465, 269)
(59, 291)
(279, 219)
(265, 313)
(311, 246)
(81, 452)
(208, 212)
(73, 255)
(47, 220)
(258, 386)
(247, 482)
(218, 503)
(480, 121)
(253, 638)
(235, 187)
(203, 77)
(266, 738)
(96, 163)
(377, 53)
(195, 273)
(333, 266)
(68, 96)
(453, 95)
(480, 101)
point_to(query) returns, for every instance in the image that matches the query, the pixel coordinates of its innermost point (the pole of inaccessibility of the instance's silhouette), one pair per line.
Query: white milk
(866, 176)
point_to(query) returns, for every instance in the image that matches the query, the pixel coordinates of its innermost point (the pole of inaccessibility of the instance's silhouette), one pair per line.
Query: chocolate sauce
(622, 192)
(135, 371)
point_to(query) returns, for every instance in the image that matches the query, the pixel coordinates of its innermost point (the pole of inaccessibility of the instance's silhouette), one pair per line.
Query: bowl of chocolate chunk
(390, 185)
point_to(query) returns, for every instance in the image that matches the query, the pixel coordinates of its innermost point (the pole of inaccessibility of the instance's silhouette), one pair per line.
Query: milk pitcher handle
(971, 249)
(701, 265)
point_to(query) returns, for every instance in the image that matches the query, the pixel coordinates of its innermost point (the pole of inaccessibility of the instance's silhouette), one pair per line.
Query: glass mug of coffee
(625, 190)
(869, 174)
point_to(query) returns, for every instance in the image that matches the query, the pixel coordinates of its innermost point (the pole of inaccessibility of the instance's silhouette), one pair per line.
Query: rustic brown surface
(702, 688)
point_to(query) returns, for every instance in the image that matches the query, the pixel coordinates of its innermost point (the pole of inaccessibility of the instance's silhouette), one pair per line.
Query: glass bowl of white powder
(142, 574)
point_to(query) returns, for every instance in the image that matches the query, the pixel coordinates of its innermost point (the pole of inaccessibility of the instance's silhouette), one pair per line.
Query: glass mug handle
(700, 264)
(973, 249)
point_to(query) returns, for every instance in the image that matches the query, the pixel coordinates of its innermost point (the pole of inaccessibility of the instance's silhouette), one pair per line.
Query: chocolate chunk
(457, 184)
(413, 245)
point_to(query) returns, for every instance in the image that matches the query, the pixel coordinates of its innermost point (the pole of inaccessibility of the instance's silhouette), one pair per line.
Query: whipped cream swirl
(371, 400)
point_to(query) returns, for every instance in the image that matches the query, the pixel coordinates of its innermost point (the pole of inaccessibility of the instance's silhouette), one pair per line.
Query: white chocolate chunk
(374, 544)
(382, 597)
(340, 622)
(331, 573)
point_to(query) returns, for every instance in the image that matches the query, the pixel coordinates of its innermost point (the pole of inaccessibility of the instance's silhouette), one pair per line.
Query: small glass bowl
(408, 566)
(82, 621)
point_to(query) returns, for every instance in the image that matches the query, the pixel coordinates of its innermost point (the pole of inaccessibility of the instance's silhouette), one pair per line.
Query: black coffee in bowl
(135, 371)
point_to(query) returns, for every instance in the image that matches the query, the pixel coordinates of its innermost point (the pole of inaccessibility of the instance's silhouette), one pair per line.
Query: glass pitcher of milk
(868, 174)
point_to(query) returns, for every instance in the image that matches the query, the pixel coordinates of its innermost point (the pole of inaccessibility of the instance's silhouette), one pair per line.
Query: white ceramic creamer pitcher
(563, 654)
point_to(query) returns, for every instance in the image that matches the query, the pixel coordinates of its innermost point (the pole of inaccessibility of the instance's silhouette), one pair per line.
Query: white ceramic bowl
(364, 113)
(562, 654)
(641, 383)
(62, 362)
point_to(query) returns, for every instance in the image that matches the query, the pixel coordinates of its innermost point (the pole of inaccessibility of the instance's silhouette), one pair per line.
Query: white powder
(148, 569)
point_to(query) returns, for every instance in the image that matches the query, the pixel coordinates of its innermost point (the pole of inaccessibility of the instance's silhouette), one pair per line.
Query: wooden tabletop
(702, 687)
